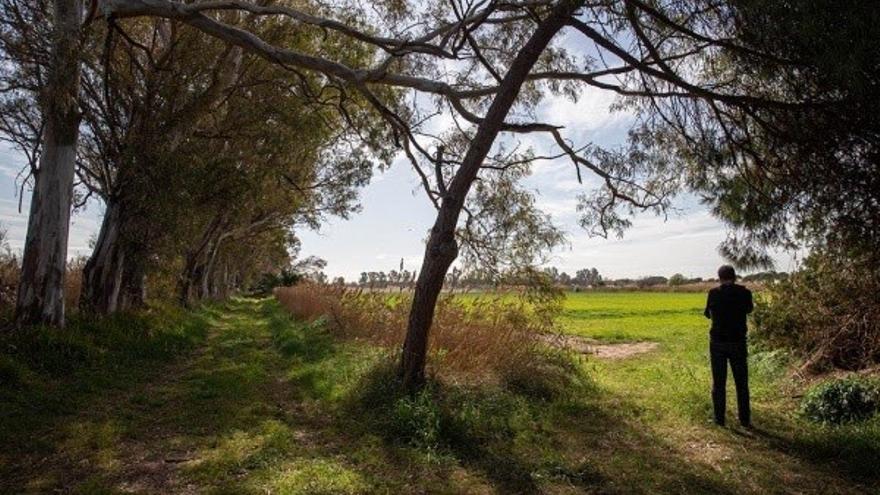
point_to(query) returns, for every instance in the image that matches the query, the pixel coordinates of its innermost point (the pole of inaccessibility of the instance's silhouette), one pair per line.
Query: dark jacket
(727, 306)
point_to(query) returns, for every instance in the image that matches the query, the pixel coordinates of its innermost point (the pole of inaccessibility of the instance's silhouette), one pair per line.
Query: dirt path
(204, 411)
(189, 425)
(594, 347)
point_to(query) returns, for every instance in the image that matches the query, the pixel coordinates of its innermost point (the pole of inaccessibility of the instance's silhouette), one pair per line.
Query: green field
(666, 393)
(254, 402)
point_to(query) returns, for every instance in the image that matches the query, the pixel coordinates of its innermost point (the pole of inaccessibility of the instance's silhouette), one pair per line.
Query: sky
(395, 214)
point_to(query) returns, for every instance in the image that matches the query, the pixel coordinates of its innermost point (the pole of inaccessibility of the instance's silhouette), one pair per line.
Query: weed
(842, 401)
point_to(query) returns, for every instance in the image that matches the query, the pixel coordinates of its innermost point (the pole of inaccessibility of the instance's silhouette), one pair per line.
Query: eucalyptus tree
(50, 71)
(142, 100)
(151, 87)
(205, 132)
(265, 182)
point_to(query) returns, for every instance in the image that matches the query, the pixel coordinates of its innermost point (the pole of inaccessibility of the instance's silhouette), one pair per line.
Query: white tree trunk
(41, 289)
(102, 275)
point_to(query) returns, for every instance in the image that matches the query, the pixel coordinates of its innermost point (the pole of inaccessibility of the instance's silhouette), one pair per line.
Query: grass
(250, 401)
(668, 392)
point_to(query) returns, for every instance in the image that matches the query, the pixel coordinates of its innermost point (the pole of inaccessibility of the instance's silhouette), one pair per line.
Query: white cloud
(591, 112)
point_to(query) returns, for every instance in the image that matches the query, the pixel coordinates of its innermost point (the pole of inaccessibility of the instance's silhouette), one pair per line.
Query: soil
(599, 349)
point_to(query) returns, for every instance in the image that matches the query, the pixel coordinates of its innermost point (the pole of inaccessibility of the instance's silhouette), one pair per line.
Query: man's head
(726, 274)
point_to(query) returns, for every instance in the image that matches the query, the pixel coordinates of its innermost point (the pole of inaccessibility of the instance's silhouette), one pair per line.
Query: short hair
(726, 272)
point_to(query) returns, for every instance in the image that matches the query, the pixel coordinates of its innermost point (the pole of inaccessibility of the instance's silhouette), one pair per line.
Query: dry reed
(481, 338)
(10, 270)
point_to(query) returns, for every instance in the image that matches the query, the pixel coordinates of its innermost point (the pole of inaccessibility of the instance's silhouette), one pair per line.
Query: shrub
(827, 312)
(416, 418)
(10, 268)
(73, 282)
(269, 281)
(842, 401)
(551, 375)
(442, 417)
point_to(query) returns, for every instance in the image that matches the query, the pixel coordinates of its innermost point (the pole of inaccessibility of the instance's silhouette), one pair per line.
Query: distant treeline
(586, 278)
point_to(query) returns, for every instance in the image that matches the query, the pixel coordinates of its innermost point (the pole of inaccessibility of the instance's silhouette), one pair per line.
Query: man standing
(727, 306)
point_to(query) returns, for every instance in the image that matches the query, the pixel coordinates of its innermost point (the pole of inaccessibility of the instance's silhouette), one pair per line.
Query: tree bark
(186, 283)
(102, 275)
(41, 286)
(133, 291)
(442, 248)
(207, 271)
(114, 278)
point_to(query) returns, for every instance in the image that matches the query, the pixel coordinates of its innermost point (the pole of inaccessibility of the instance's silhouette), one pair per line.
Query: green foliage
(48, 374)
(269, 281)
(449, 418)
(272, 404)
(842, 401)
(416, 418)
(505, 230)
(553, 375)
(806, 174)
(771, 363)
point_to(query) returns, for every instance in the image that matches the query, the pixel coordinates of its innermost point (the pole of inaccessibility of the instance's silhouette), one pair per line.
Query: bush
(416, 418)
(443, 417)
(382, 405)
(270, 281)
(827, 313)
(842, 401)
(10, 268)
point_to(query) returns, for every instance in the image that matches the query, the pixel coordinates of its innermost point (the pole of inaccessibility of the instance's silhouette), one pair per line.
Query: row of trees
(760, 107)
(474, 279)
(205, 157)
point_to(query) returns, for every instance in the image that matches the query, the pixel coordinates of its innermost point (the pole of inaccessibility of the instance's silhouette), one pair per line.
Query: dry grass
(10, 270)
(483, 337)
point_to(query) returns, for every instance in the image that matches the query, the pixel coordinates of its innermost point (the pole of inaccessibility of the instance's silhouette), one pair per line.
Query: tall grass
(10, 271)
(90, 343)
(484, 338)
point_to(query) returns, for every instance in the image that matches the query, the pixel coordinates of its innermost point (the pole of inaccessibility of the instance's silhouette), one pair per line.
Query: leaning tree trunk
(115, 274)
(102, 275)
(208, 271)
(185, 285)
(41, 286)
(442, 249)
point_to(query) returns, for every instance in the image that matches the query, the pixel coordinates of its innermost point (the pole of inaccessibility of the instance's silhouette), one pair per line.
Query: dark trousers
(736, 353)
